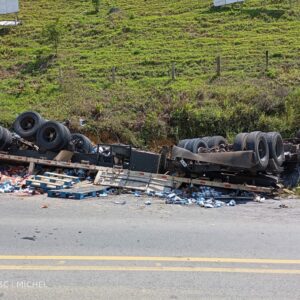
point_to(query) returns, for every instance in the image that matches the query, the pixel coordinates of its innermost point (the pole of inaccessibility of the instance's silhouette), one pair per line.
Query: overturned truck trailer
(255, 158)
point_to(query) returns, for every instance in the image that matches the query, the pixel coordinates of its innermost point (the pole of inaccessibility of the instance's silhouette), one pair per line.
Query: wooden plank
(52, 179)
(133, 186)
(34, 181)
(44, 186)
(61, 175)
(31, 168)
(136, 179)
(85, 189)
(98, 176)
(46, 162)
(63, 155)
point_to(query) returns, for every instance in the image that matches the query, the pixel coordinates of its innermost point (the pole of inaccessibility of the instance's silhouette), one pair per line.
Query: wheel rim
(27, 123)
(49, 134)
(78, 142)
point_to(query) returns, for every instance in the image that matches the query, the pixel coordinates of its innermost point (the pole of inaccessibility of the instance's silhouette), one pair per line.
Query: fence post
(218, 61)
(267, 60)
(173, 71)
(60, 76)
(113, 74)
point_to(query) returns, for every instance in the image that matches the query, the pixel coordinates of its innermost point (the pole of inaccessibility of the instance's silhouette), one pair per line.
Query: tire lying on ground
(240, 142)
(198, 144)
(53, 136)
(82, 143)
(27, 124)
(216, 141)
(5, 138)
(276, 147)
(257, 142)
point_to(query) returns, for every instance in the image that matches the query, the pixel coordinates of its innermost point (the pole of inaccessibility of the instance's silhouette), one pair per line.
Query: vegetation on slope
(141, 40)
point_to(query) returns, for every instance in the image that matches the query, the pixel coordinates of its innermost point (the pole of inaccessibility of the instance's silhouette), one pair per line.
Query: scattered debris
(103, 194)
(259, 199)
(283, 206)
(120, 202)
(82, 174)
(44, 206)
(82, 122)
(289, 192)
(206, 197)
(291, 178)
(210, 203)
(13, 179)
(67, 185)
(231, 203)
(29, 238)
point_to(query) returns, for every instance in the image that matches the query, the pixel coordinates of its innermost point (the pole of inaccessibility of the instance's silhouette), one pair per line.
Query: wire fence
(203, 67)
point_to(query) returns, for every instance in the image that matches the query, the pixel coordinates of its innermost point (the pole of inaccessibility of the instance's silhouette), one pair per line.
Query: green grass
(142, 39)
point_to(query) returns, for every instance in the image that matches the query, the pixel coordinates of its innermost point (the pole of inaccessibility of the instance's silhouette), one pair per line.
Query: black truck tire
(199, 143)
(53, 136)
(68, 137)
(1, 132)
(5, 138)
(82, 143)
(276, 147)
(27, 124)
(216, 141)
(257, 142)
(240, 141)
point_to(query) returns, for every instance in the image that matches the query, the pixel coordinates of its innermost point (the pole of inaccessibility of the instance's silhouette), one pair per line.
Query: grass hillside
(141, 39)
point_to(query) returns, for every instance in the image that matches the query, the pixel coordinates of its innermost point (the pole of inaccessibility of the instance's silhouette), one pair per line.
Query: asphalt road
(96, 249)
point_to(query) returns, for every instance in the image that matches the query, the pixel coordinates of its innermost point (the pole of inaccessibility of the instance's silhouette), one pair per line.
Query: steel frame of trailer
(173, 180)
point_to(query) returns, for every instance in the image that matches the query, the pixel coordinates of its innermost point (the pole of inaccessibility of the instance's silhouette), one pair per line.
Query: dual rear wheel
(197, 145)
(266, 146)
(48, 135)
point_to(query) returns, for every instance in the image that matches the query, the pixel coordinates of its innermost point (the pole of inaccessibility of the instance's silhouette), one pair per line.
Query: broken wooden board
(64, 155)
(133, 180)
(158, 182)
